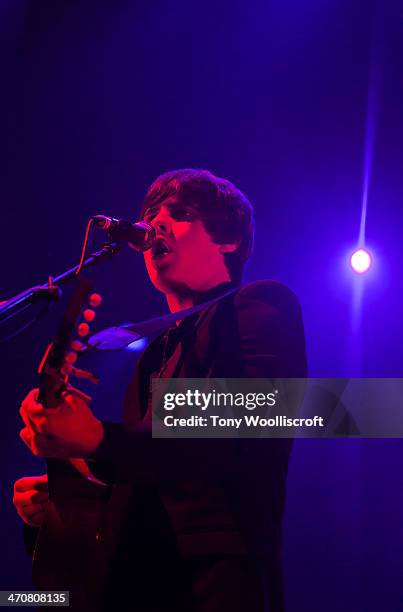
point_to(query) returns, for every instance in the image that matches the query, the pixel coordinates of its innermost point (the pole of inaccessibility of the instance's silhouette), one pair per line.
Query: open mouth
(159, 248)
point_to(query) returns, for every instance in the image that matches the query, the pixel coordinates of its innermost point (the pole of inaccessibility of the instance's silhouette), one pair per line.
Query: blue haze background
(98, 98)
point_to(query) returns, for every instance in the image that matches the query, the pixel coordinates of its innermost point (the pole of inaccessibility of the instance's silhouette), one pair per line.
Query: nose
(161, 222)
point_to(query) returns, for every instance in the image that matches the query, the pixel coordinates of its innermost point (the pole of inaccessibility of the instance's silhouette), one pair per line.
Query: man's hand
(69, 431)
(30, 498)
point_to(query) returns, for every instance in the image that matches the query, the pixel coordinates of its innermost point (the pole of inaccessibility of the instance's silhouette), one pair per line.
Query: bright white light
(137, 345)
(360, 261)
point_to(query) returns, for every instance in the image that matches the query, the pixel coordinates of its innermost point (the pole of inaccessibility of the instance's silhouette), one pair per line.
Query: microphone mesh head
(149, 236)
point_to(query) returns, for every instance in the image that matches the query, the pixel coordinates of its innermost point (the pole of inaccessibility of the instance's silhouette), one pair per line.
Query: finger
(30, 410)
(23, 414)
(41, 419)
(39, 497)
(46, 446)
(33, 509)
(23, 499)
(26, 436)
(38, 443)
(26, 505)
(37, 411)
(41, 445)
(29, 511)
(23, 484)
(34, 520)
(41, 483)
(77, 393)
(30, 398)
(33, 411)
(31, 482)
(31, 438)
(41, 424)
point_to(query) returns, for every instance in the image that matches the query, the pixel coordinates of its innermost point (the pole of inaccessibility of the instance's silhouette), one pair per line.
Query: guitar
(64, 548)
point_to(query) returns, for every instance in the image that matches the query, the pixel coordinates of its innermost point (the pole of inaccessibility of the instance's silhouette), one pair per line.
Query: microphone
(139, 235)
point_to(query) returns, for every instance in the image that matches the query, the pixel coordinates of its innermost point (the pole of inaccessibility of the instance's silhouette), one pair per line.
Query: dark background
(99, 97)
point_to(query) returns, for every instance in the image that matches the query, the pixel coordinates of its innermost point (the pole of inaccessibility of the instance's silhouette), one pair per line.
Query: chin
(162, 280)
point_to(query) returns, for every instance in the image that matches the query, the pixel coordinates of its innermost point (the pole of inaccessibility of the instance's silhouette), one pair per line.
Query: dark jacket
(199, 496)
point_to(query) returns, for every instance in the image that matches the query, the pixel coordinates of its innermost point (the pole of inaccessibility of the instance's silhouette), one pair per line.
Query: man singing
(186, 525)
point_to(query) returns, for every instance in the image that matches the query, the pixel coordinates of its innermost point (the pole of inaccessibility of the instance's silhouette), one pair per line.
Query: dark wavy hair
(224, 210)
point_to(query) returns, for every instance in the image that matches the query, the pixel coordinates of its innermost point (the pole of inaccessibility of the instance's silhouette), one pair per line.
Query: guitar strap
(115, 338)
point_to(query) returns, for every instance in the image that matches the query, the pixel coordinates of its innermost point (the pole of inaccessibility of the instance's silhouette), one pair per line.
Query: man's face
(183, 256)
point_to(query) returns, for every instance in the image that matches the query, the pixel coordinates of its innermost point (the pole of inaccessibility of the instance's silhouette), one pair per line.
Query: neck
(185, 297)
(179, 302)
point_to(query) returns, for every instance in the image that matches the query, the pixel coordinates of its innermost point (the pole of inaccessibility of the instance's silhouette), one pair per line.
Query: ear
(228, 248)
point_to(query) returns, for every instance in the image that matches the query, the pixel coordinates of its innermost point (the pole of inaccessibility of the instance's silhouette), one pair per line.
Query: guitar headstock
(58, 362)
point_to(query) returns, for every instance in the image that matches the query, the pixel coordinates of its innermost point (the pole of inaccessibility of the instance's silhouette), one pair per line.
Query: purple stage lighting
(360, 261)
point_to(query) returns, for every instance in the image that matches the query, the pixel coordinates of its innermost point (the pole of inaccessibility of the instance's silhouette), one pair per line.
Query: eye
(176, 212)
(181, 213)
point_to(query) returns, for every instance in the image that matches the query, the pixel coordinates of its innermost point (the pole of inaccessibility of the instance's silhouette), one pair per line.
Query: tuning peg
(85, 375)
(71, 357)
(77, 346)
(89, 315)
(83, 329)
(94, 300)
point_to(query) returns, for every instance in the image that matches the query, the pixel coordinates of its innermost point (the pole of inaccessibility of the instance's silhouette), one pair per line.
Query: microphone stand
(51, 291)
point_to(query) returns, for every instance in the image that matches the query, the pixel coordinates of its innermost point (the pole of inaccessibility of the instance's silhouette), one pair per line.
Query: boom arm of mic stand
(51, 290)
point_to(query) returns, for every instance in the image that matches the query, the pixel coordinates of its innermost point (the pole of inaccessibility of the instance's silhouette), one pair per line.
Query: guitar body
(67, 551)
(67, 540)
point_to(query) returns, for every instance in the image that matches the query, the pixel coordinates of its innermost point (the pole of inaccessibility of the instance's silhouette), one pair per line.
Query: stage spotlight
(360, 261)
